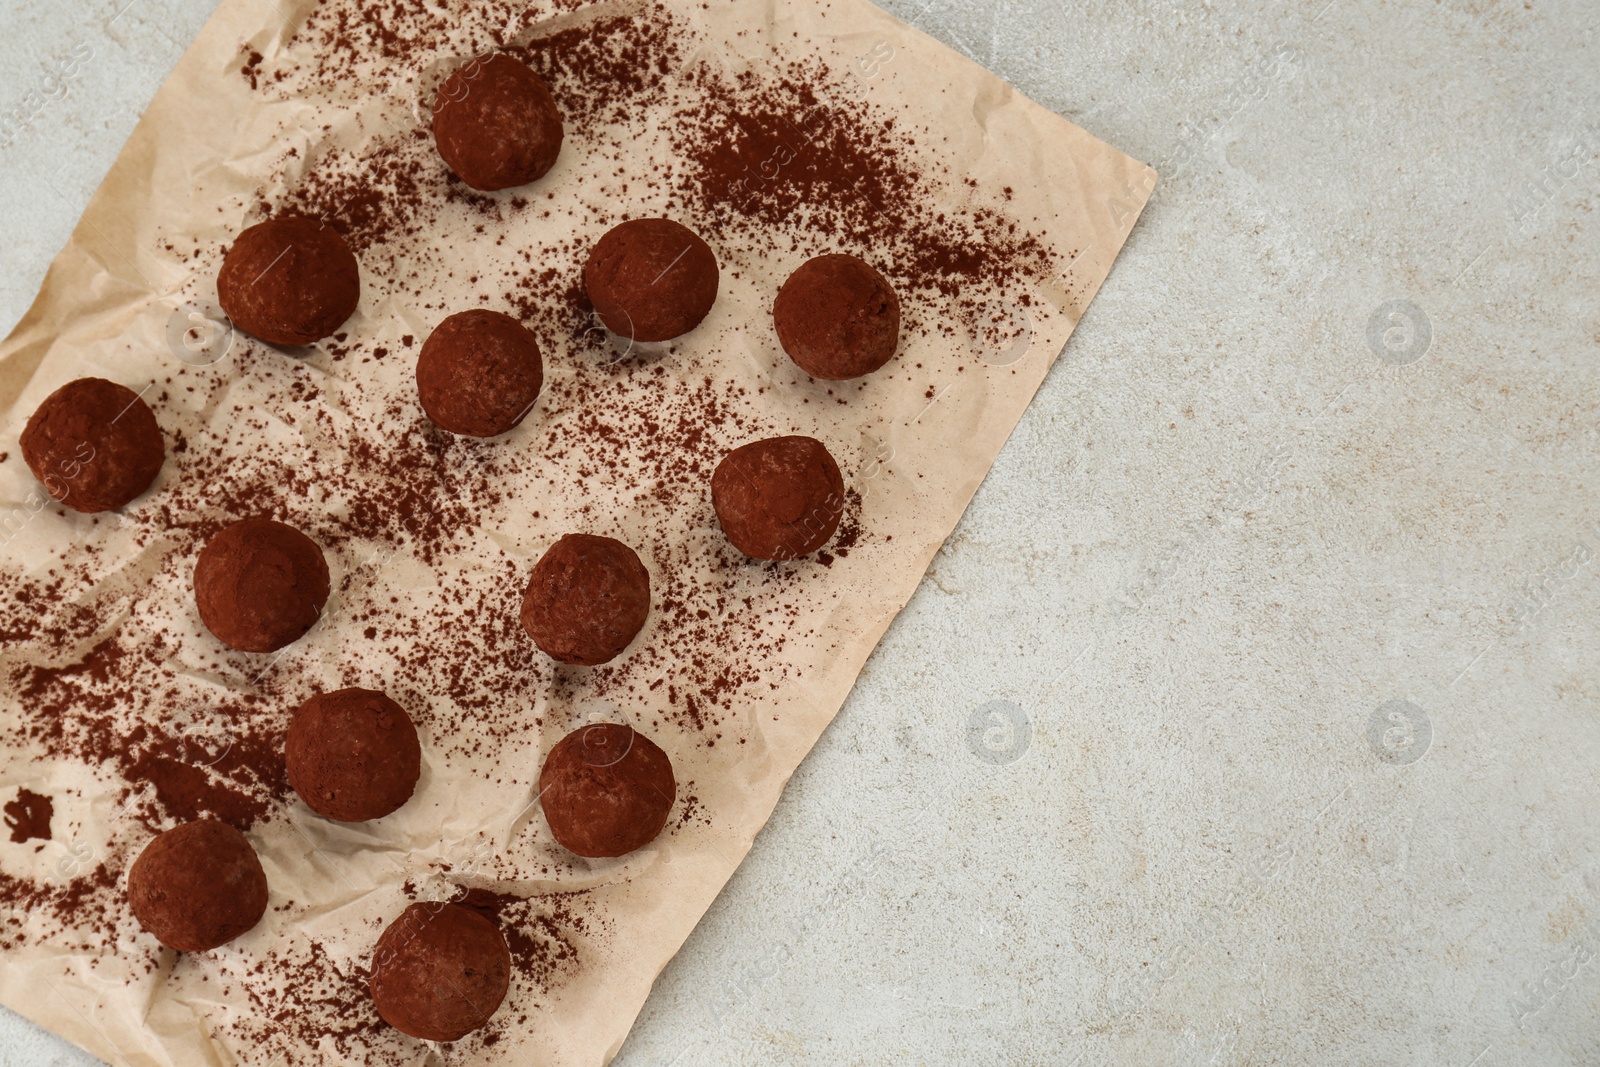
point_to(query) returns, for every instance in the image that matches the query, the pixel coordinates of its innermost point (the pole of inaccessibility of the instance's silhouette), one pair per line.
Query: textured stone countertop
(1252, 714)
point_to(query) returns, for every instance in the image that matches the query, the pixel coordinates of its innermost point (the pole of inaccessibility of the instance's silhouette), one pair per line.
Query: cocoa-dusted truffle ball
(198, 886)
(837, 318)
(606, 790)
(651, 279)
(587, 599)
(479, 373)
(440, 971)
(94, 444)
(496, 123)
(353, 755)
(260, 585)
(289, 281)
(780, 498)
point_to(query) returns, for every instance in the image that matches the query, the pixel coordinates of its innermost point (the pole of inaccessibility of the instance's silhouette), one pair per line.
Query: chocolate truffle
(353, 755)
(479, 373)
(606, 790)
(260, 585)
(587, 599)
(289, 281)
(780, 498)
(94, 444)
(198, 886)
(651, 279)
(440, 971)
(837, 318)
(496, 123)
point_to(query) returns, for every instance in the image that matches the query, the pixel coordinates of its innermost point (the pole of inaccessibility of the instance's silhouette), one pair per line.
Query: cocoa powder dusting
(786, 158)
(543, 932)
(303, 998)
(28, 817)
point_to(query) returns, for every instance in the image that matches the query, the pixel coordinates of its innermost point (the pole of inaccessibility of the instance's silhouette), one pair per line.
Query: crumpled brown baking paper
(915, 447)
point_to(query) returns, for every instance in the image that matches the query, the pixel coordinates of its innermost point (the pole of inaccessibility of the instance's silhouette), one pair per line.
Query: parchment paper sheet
(105, 309)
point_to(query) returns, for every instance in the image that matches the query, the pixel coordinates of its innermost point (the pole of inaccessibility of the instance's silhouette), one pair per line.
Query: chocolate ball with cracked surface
(440, 971)
(290, 280)
(606, 790)
(780, 498)
(496, 124)
(198, 886)
(837, 318)
(353, 755)
(587, 599)
(260, 585)
(94, 444)
(651, 279)
(479, 373)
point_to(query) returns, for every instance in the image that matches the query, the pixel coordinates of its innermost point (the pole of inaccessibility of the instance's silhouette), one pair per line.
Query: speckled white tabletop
(1252, 714)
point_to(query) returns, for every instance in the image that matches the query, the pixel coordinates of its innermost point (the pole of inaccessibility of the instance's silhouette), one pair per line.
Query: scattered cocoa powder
(544, 932)
(28, 817)
(787, 159)
(76, 914)
(302, 997)
(251, 68)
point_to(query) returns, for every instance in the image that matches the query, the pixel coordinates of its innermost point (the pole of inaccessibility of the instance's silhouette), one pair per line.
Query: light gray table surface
(1251, 715)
